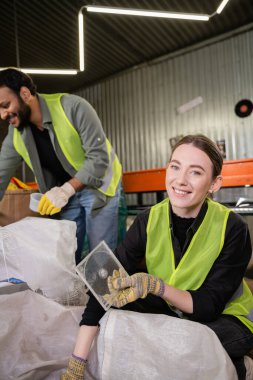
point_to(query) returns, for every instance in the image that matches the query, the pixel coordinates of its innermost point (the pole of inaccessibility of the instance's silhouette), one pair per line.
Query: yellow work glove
(75, 370)
(124, 289)
(56, 198)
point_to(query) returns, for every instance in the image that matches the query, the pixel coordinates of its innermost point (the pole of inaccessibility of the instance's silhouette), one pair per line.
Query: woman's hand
(125, 289)
(75, 370)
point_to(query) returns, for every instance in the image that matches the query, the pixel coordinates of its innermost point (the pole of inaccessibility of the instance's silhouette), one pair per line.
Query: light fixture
(45, 71)
(147, 13)
(113, 10)
(81, 40)
(49, 71)
(221, 6)
(34, 71)
(137, 12)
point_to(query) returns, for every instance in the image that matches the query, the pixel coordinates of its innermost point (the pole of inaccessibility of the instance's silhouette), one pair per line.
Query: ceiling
(45, 35)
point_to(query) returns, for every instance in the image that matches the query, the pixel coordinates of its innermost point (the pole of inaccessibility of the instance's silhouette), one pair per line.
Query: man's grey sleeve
(86, 121)
(10, 160)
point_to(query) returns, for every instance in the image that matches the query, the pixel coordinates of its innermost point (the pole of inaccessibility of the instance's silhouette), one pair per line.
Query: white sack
(133, 346)
(41, 252)
(37, 336)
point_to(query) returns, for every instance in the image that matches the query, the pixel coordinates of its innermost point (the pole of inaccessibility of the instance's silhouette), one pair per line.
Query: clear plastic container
(95, 269)
(34, 201)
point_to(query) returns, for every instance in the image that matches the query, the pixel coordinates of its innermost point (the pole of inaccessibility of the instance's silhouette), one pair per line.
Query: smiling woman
(196, 252)
(193, 173)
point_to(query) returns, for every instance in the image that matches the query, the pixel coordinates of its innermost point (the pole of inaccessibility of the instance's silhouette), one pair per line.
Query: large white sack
(41, 252)
(37, 336)
(133, 346)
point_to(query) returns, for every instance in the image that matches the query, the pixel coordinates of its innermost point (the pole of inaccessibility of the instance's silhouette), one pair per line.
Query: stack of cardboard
(15, 206)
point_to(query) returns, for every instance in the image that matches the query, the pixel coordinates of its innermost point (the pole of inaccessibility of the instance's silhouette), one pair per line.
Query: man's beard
(24, 113)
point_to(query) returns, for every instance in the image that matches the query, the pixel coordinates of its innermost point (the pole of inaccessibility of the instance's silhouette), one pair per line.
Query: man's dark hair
(14, 79)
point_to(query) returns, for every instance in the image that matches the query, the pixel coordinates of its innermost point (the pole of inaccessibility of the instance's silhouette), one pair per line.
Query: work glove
(75, 370)
(124, 289)
(56, 198)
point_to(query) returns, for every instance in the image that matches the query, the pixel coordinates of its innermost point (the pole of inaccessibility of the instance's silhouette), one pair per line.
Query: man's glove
(125, 289)
(56, 198)
(75, 370)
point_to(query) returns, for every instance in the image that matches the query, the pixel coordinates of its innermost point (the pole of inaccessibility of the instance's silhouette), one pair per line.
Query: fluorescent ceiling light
(81, 40)
(137, 12)
(42, 71)
(221, 6)
(146, 13)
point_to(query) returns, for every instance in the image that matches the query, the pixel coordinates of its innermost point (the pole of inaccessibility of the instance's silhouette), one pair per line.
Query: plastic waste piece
(95, 269)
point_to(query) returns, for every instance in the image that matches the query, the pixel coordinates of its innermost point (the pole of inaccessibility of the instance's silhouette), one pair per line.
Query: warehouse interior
(45, 35)
(151, 80)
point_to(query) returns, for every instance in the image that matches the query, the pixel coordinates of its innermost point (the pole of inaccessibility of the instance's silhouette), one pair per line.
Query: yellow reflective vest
(198, 259)
(71, 145)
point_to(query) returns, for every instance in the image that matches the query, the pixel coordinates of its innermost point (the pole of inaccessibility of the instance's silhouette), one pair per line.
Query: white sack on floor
(133, 346)
(37, 336)
(41, 252)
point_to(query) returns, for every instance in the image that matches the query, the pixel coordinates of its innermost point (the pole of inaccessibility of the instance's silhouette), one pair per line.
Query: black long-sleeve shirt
(223, 279)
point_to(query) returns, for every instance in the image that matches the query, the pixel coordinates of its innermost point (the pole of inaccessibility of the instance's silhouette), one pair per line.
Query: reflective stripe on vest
(199, 257)
(71, 145)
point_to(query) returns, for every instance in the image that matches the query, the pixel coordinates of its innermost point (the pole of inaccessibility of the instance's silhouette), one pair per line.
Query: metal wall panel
(138, 107)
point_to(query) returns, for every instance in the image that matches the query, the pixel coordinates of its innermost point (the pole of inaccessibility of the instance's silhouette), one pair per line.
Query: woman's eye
(174, 167)
(195, 172)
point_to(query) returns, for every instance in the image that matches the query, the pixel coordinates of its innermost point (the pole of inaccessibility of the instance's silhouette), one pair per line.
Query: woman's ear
(216, 184)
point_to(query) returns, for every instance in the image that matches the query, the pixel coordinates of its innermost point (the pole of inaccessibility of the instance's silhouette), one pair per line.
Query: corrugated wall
(138, 108)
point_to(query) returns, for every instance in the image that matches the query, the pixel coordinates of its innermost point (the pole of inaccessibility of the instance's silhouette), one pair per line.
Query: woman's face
(188, 180)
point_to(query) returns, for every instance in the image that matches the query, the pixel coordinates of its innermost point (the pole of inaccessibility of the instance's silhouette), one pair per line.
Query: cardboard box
(15, 206)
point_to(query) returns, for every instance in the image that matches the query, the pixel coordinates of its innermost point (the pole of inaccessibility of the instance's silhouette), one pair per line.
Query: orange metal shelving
(235, 173)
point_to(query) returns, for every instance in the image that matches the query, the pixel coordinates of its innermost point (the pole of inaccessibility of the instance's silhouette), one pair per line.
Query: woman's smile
(181, 192)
